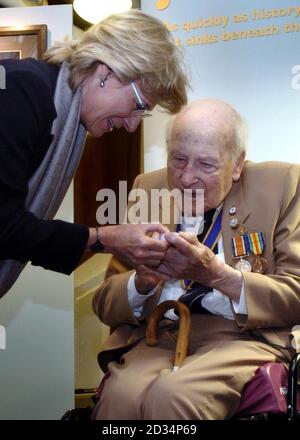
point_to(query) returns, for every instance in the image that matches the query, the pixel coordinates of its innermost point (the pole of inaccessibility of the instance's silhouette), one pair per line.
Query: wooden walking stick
(183, 332)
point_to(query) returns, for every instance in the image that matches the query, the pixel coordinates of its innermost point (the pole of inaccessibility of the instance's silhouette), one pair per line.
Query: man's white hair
(236, 132)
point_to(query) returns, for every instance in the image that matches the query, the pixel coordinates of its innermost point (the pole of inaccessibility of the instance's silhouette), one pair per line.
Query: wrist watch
(97, 246)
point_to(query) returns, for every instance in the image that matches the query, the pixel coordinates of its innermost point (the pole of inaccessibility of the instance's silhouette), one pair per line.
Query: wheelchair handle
(184, 331)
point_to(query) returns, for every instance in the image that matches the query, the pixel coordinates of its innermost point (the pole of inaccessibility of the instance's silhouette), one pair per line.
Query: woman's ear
(98, 76)
(238, 167)
(102, 71)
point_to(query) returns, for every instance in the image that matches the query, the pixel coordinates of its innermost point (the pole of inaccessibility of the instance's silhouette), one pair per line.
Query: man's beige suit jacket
(267, 198)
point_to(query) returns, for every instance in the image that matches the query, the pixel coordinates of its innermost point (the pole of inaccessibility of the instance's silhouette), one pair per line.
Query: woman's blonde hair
(134, 46)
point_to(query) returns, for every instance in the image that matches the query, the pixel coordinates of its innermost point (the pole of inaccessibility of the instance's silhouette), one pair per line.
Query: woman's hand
(135, 245)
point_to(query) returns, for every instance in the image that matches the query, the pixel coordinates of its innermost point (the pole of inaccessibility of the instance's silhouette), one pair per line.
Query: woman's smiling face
(111, 106)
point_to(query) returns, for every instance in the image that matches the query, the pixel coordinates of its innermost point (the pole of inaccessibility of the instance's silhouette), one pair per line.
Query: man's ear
(238, 167)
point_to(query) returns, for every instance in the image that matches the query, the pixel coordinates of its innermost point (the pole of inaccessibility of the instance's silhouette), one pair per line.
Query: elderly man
(240, 278)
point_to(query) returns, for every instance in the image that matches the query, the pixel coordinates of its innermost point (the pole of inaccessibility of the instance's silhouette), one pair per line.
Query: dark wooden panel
(105, 161)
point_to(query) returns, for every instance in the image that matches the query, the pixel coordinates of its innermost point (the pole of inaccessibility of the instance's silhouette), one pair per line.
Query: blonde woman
(111, 78)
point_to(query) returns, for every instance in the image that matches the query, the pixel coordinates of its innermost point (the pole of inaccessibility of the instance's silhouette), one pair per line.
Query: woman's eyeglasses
(141, 109)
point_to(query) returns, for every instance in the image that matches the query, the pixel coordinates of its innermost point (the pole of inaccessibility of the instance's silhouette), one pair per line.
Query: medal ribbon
(239, 246)
(256, 242)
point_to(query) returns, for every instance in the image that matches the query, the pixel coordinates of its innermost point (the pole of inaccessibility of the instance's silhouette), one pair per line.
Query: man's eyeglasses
(141, 109)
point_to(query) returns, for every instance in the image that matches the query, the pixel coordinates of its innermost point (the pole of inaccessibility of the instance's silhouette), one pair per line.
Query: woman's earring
(102, 80)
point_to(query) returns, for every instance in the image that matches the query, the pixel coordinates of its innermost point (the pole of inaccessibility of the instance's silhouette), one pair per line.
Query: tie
(193, 297)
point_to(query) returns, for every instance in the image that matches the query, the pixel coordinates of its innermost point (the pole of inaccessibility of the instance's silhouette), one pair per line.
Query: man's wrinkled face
(198, 159)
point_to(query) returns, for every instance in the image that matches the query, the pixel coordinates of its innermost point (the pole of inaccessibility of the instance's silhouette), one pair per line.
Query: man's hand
(187, 258)
(145, 279)
(135, 244)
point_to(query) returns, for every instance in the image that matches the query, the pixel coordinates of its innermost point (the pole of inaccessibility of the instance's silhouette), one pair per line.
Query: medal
(259, 264)
(256, 243)
(233, 221)
(243, 266)
(240, 250)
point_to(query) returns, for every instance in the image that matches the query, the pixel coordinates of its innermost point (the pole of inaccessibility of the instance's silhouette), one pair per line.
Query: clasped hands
(178, 256)
(184, 258)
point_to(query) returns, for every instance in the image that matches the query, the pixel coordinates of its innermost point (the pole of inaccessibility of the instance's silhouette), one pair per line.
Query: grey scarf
(50, 182)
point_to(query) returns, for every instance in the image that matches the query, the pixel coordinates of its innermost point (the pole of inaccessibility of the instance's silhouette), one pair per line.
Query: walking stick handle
(184, 331)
